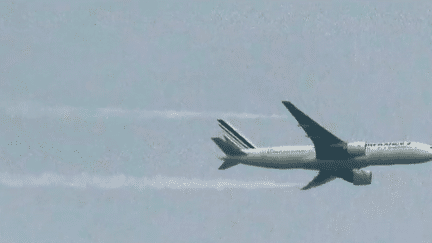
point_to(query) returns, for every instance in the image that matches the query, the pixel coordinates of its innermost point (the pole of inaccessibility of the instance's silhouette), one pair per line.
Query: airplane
(330, 156)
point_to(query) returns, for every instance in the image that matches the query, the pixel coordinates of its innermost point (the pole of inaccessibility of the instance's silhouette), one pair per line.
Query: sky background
(107, 109)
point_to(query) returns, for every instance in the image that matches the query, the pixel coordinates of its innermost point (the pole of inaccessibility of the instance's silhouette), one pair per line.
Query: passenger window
(386, 144)
(394, 144)
(409, 143)
(401, 143)
(380, 144)
(374, 144)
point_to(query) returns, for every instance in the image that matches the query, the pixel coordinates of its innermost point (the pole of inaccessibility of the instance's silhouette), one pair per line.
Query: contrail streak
(121, 181)
(33, 110)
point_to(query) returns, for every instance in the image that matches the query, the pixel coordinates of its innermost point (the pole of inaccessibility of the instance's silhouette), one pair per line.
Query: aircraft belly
(335, 164)
(299, 161)
(306, 159)
(395, 156)
(279, 161)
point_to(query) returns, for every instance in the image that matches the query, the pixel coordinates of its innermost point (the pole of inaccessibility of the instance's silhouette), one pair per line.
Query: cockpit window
(409, 143)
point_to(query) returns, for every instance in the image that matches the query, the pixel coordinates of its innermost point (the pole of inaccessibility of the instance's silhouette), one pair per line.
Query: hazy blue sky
(107, 109)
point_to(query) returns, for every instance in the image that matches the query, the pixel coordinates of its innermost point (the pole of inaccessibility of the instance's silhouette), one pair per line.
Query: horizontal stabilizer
(227, 147)
(228, 164)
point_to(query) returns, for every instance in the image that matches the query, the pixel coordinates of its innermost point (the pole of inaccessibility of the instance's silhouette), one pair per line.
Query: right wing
(322, 178)
(327, 145)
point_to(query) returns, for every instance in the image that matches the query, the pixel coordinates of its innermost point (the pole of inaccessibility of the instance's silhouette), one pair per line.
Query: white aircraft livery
(331, 156)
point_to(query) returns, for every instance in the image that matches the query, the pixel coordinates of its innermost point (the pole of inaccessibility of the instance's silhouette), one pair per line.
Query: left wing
(322, 178)
(327, 145)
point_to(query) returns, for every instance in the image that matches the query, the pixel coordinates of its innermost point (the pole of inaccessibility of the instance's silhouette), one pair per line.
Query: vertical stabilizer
(232, 145)
(235, 136)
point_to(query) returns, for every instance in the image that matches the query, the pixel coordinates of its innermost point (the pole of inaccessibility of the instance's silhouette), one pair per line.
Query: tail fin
(232, 145)
(235, 136)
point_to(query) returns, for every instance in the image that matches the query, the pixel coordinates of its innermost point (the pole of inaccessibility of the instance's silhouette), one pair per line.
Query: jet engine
(356, 149)
(362, 177)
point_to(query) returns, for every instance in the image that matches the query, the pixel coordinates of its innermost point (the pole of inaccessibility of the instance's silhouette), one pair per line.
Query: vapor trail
(34, 110)
(139, 183)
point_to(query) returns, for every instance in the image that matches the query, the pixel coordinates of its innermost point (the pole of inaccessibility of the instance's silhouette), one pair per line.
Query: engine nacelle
(362, 177)
(356, 149)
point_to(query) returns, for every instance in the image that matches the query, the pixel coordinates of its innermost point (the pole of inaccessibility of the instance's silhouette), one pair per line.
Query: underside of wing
(327, 145)
(322, 178)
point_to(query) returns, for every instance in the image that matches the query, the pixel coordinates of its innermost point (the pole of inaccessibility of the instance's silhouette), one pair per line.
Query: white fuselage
(303, 157)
